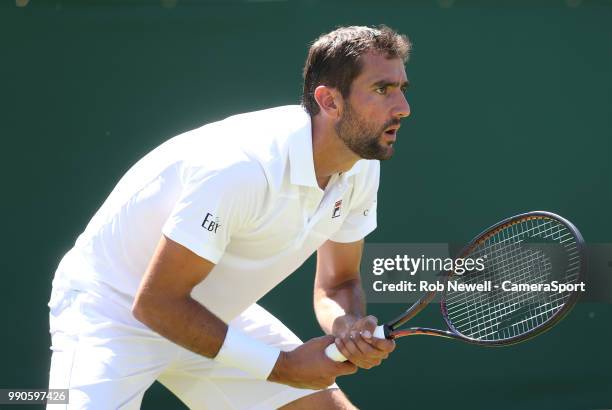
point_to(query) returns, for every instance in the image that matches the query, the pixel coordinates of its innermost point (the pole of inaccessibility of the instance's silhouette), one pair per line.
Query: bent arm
(340, 305)
(338, 295)
(164, 303)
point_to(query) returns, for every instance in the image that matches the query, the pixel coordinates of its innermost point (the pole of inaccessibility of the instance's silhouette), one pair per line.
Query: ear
(329, 100)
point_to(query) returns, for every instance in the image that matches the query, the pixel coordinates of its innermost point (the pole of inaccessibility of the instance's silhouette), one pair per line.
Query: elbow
(155, 311)
(141, 310)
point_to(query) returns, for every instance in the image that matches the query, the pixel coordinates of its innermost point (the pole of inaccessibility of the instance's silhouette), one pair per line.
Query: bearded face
(366, 138)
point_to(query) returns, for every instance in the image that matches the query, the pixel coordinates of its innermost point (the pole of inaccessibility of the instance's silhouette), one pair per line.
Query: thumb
(370, 322)
(345, 368)
(323, 341)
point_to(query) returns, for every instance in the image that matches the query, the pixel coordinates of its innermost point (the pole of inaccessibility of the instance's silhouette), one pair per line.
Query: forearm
(345, 301)
(164, 303)
(192, 326)
(185, 322)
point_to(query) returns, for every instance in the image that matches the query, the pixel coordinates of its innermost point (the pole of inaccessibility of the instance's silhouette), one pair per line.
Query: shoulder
(237, 189)
(237, 173)
(244, 150)
(277, 118)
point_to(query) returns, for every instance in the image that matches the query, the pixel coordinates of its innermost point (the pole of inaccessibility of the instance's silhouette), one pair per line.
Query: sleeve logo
(209, 224)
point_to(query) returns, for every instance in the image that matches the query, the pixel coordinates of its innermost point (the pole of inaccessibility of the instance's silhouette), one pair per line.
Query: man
(162, 283)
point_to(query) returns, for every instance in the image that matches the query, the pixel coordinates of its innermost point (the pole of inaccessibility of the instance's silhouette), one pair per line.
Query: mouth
(391, 133)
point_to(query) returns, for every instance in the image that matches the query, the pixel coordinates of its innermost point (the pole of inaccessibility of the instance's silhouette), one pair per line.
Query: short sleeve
(361, 219)
(214, 205)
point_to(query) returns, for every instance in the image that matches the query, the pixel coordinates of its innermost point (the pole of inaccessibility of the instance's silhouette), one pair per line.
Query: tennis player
(162, 283)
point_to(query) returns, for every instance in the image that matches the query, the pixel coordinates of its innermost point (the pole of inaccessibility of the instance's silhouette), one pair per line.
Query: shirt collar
(301, 161)
(357, 167)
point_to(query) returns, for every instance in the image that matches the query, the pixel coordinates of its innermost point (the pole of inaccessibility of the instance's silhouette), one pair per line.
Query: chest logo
(337, 209)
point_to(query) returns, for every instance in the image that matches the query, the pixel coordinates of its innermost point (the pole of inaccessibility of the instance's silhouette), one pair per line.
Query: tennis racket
(532, 248)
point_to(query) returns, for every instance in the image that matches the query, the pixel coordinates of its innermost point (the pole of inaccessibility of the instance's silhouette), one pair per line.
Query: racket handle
(333, 353)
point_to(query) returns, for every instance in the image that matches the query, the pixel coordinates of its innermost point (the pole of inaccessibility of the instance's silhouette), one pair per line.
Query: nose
(402, 108)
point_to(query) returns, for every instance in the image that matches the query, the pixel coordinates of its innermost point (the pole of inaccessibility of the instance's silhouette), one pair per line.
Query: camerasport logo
(337, 209)
(211, 223)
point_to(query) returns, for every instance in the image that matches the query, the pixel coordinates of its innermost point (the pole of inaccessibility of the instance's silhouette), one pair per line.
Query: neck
(330, 154)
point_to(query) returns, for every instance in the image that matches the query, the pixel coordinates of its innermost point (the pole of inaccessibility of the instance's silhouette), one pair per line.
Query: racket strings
(534, 268)
(509, 256)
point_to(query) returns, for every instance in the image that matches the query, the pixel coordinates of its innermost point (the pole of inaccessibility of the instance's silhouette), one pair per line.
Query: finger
(369, 349)
(369, 323)
(349, 345)
(367, 356)
(340, 345)
(366, 347)
(374, 343)
(324, 340)
(350, 350)
(365, 323)
(386, 345)
(367, 353)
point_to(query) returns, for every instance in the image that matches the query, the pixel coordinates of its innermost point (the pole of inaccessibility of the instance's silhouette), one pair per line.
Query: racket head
(504, 319)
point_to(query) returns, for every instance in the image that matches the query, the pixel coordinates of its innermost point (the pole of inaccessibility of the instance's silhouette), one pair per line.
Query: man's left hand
(356, 341)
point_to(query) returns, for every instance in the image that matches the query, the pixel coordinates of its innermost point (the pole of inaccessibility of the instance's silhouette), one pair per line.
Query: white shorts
(108, 359)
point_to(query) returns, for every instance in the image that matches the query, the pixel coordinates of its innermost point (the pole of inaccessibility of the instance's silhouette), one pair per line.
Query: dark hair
(334, 58)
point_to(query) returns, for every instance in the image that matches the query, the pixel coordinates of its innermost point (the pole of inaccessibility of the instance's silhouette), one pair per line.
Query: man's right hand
(307, 367)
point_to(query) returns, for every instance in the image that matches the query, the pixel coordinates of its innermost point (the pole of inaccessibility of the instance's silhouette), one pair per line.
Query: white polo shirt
(241, 193)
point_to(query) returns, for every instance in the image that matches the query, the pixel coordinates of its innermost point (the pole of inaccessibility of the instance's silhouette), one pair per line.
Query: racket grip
(333, 353)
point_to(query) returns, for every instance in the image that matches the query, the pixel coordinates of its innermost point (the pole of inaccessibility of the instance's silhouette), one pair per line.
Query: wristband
(248, 354)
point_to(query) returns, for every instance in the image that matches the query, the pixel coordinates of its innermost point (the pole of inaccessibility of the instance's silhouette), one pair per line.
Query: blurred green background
(511, 111)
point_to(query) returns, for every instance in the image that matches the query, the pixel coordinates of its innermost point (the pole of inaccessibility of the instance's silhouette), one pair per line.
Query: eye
(404, 88)
(381, 90)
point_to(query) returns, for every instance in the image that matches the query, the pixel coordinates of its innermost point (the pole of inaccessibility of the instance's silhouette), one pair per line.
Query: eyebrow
(384, 83)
